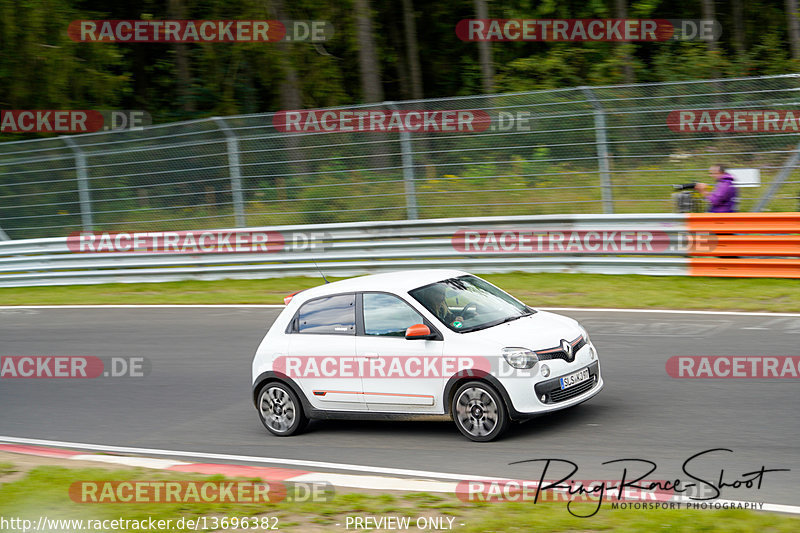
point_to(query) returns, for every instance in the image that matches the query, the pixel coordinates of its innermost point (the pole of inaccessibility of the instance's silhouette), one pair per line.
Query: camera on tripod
(686, 199)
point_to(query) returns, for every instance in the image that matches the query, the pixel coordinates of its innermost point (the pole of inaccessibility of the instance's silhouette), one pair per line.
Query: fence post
(787, 168)
(81, 172)
(408, 171)
(235, 172)
(602, 150)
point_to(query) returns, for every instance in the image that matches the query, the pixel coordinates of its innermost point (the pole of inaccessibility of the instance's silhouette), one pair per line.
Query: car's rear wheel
(280, 410)
(479, 412)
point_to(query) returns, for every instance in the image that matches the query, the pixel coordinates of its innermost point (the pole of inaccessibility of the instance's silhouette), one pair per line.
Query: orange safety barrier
(748, 245)
(744, 222)
(745, 268)
(753, 245)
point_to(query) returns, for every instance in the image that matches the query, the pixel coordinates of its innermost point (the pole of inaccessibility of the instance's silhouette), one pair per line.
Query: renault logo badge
(566, 347)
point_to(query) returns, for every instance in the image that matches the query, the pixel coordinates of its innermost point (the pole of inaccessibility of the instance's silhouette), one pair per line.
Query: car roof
(396, 282)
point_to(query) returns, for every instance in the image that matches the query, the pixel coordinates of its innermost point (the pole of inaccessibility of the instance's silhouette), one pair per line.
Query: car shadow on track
(567, 419)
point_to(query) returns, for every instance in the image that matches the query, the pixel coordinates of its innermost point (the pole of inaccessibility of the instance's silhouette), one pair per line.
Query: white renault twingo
(419, 343)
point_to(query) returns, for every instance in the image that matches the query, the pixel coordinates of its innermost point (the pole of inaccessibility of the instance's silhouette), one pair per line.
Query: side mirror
(418, 331)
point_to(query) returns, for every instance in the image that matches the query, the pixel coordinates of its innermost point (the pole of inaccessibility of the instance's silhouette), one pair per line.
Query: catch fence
(610, 149)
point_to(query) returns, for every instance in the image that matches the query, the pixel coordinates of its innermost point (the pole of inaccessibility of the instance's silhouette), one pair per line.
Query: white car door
(396, 377)
(322, 353)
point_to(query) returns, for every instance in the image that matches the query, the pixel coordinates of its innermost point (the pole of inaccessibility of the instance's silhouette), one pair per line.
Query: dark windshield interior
(468, 303)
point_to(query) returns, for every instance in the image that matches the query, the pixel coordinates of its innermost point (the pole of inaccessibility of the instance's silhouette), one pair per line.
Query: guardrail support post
(787, 168)
(235, 172)
(408, 171)
(81, 172)
(602, 150)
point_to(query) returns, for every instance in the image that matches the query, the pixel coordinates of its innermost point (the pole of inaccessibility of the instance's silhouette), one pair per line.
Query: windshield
(468, 303)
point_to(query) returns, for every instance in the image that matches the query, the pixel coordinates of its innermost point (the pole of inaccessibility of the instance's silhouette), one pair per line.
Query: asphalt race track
(197, 399)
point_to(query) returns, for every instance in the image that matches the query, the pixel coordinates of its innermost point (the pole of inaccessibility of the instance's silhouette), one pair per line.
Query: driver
(437, 303)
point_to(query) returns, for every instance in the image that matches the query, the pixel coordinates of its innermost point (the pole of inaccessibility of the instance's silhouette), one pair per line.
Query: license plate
(574, 379)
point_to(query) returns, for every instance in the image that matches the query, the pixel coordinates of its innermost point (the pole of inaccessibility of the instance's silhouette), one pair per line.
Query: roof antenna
(320, 272)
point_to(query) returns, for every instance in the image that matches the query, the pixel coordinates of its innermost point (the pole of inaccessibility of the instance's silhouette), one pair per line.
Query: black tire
(280, 410)
(479, 412)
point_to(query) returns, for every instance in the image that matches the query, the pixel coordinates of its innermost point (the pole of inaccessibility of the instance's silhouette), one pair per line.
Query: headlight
(520, 357)
(592, 352)
(585, 336)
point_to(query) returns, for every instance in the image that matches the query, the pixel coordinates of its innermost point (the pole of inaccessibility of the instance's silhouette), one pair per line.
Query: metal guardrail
(354, 248)
(344, 250)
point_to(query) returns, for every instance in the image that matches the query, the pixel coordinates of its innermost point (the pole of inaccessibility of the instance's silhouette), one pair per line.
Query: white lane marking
(773, 507)
(778, 508)
(368, 481)
(279, 306)
(667, 311)
(247, 458)
(376, 482)
(142, 462)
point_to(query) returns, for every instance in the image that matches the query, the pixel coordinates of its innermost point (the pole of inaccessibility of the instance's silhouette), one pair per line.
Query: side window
(388, 315)
(332, 314)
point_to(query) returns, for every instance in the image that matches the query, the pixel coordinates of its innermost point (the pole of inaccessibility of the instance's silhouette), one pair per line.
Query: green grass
(6, 468)
(540, 290)
(44, 491)
(528, 184)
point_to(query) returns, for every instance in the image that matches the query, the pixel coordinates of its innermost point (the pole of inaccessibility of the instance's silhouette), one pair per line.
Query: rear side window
(331, 315)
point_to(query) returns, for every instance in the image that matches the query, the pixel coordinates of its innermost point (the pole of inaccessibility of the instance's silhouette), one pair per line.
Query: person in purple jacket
(723, 198)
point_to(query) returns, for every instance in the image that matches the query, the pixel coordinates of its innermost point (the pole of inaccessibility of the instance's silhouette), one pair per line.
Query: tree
(412, 50)
(709, 13)
(485, 50)
(794, 27)
(627, 67)
(177, 11)
(738, 27)
(371, 88)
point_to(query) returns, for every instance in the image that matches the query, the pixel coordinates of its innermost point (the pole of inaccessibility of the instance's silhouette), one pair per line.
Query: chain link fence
(579, 150)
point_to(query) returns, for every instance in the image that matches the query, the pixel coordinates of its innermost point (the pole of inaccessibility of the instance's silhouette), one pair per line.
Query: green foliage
(40, 67)
(538, 290)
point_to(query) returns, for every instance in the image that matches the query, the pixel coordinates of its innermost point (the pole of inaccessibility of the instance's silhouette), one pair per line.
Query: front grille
(557, 353)
(577, 390)
(551, 389)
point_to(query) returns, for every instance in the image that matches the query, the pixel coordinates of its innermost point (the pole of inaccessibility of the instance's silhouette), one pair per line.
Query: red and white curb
(265, 473)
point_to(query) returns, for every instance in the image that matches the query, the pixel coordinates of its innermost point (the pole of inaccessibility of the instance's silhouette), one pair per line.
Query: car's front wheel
(280, 410)
(479, 412)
